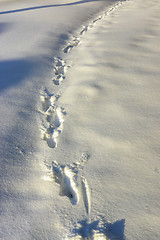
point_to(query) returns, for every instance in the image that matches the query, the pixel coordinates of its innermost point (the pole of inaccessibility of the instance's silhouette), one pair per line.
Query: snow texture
(80, 128)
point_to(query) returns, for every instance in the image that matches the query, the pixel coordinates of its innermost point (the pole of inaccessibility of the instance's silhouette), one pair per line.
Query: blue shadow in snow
(4, 27)
(48, 6)
(13, 72)
(117, 229)
(111, 230)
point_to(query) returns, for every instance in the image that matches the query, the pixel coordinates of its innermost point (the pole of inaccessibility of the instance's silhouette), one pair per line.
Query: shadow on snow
(47, 6)
(113, 231)
(4, 26)
(14, 71)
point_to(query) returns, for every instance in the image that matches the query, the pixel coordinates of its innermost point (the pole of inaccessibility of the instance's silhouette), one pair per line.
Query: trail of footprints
(54, 115)
(52, 126)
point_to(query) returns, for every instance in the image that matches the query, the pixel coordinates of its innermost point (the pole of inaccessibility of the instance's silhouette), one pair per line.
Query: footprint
(75, 42)
(67, 177)
(68, 48)
(50, 135)
(60, 69)
(51, 140)
(59, 62)
(85, 29)
(54, 118)
(58, 79)
(47, 100)
(52, 124)
(97, 19)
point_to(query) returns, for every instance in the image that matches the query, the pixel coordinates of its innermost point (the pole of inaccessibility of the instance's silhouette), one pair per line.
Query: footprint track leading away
(67, 175)
(91, 25)
(55, 115)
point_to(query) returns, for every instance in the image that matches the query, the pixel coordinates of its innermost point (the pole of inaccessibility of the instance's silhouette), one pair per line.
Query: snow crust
(80, 128)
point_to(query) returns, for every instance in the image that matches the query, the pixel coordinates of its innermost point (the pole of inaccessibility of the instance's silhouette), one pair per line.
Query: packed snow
(80, 121)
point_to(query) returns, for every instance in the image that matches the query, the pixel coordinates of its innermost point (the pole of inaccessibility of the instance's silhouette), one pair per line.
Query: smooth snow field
(79, 120)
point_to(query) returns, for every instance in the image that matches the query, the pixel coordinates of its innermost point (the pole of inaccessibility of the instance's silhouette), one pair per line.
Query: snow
(80, 129)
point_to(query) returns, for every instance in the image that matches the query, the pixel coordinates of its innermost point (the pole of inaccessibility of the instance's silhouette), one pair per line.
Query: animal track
(60, 69)
(58, 79)
(75, 42)
(47, 100)
(54, 118)
(67, 177)
(64, 176)
(85, 29)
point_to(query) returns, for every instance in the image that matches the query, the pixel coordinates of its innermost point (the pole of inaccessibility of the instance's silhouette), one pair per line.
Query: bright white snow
(79, 95)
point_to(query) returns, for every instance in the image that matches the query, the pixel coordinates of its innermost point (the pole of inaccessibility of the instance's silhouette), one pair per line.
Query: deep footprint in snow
(50, 136)
(58, 79)
(52, 124)
(60, 69)
(66, 176)
(75, 42)
(85, 29)
(48, 100)
(54, 118)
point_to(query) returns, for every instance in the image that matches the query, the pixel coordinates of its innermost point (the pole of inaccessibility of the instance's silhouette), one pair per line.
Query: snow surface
(80, 128)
